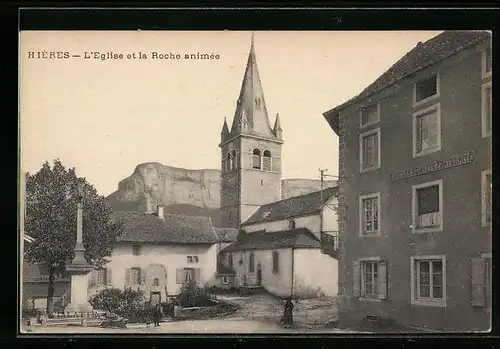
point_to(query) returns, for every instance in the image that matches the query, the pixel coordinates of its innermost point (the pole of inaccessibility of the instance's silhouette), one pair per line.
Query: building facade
(415, 189)
(279, 247)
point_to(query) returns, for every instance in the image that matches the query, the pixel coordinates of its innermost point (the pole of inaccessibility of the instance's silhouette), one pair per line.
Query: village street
(257, 314)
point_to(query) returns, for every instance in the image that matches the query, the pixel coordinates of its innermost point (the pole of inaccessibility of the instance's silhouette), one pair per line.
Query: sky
(104, 117)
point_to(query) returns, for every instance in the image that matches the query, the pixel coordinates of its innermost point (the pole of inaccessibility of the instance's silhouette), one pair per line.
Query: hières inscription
(438, 165)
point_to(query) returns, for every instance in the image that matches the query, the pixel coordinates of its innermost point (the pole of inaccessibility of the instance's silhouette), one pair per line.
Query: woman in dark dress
(288, 314)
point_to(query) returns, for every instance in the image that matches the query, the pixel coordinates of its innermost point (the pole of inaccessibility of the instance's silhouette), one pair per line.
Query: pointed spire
(251, 104)
(225, 130)
(277, 130)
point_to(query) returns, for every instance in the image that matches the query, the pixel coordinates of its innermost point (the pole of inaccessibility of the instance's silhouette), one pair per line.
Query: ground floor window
(370, 278)
(225, 280)
(185, 275)
(428, 280)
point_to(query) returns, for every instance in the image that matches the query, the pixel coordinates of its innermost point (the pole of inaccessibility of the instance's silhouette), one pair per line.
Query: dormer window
(256, 163)
(234, 161)
(229, 162)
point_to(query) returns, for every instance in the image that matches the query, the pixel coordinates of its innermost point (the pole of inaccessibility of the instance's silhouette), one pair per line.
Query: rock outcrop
(190, 192)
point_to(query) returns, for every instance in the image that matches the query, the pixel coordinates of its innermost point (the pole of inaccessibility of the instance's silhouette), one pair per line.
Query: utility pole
(322, 175)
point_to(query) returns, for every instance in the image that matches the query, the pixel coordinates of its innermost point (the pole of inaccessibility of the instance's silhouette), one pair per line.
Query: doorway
(155, 298)
(259, 275)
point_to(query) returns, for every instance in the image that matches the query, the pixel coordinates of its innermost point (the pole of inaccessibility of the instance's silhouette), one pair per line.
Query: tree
(51, 211)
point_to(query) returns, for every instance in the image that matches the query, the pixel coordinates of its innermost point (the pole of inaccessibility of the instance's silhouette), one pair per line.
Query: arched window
(230, 260)
(235, 161)
(251, 263)
(256, 159)
(267, 160)
(229, 164)
(156, 282)
(276, 259)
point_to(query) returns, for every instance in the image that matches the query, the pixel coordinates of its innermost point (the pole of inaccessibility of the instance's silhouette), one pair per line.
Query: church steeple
(251, 112)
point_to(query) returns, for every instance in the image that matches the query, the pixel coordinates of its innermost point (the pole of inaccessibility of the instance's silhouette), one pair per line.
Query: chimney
(159, 211)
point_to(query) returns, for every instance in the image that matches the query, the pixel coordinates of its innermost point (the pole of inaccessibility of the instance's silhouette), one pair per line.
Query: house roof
(224, 270)
(39, 273)
(174, 229)
(295, 206)
(297, 238)
(227, 234)
(421, 56)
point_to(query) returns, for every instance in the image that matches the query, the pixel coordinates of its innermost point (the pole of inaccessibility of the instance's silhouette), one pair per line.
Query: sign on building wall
(437, 165)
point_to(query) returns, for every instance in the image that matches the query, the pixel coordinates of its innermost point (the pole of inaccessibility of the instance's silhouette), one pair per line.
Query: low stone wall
(195, 312)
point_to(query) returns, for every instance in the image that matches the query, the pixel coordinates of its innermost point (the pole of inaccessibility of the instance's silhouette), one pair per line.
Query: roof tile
(176, 229)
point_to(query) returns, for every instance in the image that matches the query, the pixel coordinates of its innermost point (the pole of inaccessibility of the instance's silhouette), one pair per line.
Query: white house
(158, 252)
(280, 247)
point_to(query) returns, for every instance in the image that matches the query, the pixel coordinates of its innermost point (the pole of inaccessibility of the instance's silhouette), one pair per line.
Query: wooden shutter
(478, 282)
(197, 275)
(127, 276)
(142, 278)
(180, 276)
(356, 279)
(91, 278)
(382, 280)
(108, 276)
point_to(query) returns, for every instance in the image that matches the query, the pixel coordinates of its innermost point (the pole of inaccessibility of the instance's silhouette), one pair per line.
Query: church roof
(173, 228)
(423, 55)
(262, 240)
(251, 116)
(295, 206)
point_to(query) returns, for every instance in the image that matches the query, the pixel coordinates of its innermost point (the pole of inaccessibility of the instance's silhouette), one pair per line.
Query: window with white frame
(370, 278)
(428, 280)
(428, 206)
(427, 131)
(480, 278)
(369, 144)
(369, 115)
(486, 202)
(369, 214)
(426, 88)
(487, 59)
(486, 109)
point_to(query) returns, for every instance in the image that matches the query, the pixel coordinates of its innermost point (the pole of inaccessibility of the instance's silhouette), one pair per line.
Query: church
(279, 245)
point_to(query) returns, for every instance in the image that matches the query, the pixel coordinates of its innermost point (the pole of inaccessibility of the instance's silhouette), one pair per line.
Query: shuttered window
(370, 279)
(101, 276)
(481, 282)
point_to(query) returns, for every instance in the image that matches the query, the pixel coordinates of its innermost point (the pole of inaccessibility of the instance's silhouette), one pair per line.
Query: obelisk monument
(79, 269)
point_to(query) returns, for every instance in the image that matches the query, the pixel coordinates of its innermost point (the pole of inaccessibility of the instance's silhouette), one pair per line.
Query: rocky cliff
(192, 192)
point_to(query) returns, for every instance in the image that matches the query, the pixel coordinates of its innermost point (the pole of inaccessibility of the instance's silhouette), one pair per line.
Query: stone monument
(79, 269)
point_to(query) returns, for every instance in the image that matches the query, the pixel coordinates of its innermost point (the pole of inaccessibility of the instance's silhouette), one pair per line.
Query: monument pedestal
(79, 270)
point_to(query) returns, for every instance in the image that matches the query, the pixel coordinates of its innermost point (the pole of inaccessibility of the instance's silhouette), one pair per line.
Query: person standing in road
(288, 313)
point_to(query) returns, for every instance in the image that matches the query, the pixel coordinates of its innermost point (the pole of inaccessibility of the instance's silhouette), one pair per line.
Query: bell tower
(250, 152)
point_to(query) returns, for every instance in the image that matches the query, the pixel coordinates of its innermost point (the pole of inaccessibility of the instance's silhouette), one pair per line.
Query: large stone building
(279, 246)
(415, 189)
